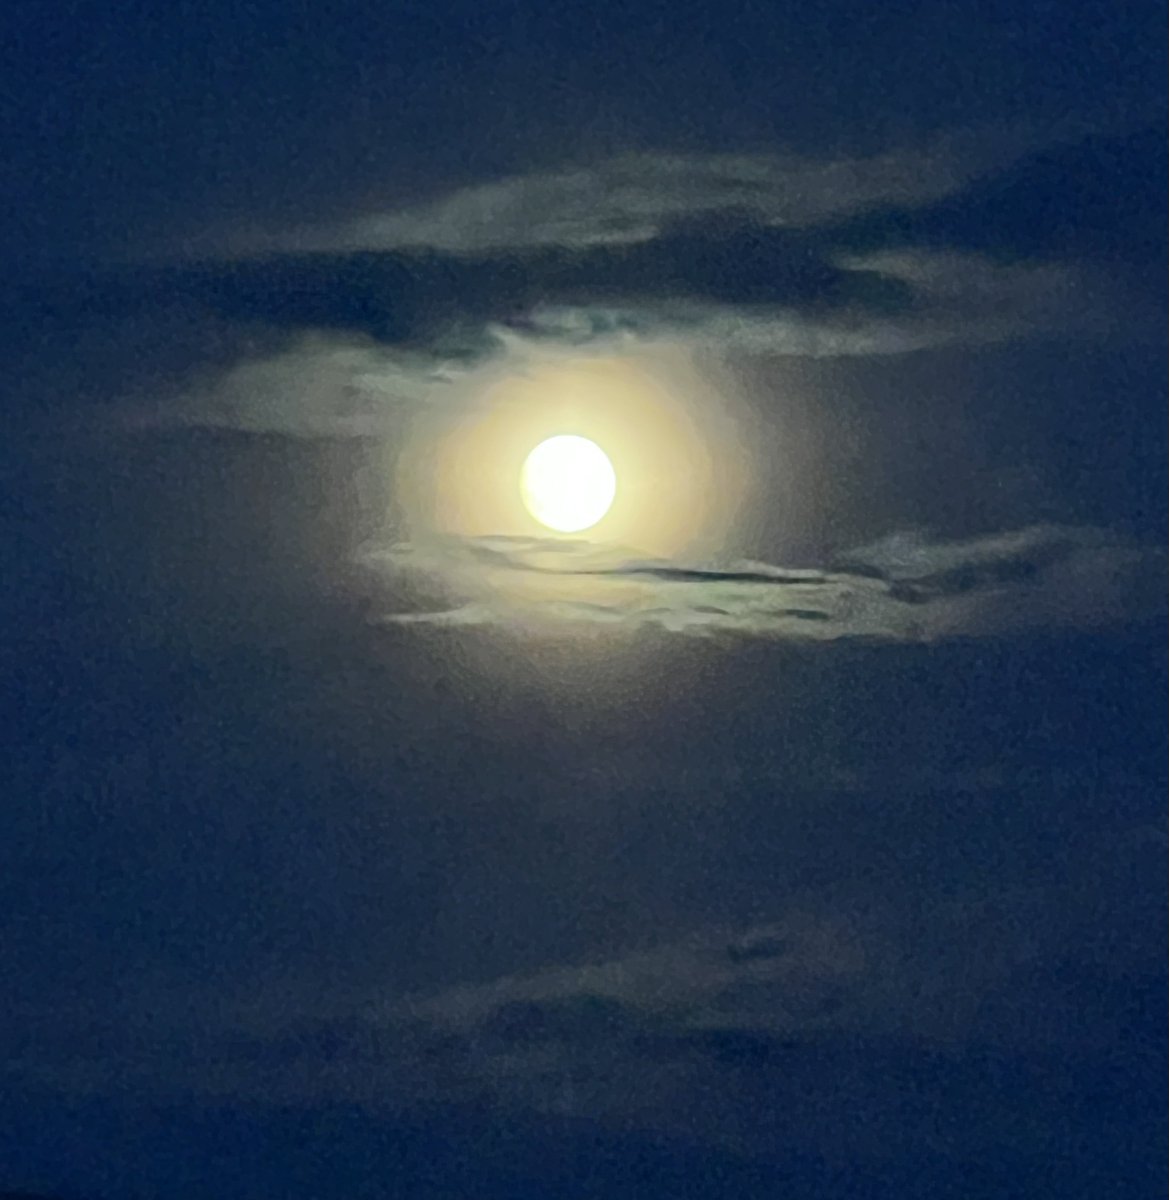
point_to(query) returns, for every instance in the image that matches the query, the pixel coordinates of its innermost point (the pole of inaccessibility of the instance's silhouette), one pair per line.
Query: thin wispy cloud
(729, 1023)
(906, 588)
(636, 197)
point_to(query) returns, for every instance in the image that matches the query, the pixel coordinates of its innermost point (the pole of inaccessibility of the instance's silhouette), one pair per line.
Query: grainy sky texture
(797, 831)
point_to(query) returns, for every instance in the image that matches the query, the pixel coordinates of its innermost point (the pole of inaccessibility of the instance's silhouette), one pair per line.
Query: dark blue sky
(821, 852)
(171, 118)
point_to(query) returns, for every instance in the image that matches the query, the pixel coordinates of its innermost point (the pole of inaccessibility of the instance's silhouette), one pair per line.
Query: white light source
(568, 483)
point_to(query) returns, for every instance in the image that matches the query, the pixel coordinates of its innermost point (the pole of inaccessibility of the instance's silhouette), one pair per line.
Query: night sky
(796, 831)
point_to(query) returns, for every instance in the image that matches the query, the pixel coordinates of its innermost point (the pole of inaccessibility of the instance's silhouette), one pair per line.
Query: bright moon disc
(568, 483)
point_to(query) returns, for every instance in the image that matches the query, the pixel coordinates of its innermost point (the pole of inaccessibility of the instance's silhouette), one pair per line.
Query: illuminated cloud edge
(904, 588)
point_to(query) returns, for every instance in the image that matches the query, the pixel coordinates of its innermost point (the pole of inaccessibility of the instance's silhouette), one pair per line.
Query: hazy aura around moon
(642, 452)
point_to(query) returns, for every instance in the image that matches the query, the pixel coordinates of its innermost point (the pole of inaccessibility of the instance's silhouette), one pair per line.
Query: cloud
(905, 588)
(1101, 196)
(635, 198)
(822, 1011)
(712, 976)
(338, 348)
(727, 256)
(966, 243)
(443, 304)
(314, 385)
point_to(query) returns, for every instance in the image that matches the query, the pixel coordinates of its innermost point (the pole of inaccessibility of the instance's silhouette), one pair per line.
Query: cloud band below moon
(902, 589)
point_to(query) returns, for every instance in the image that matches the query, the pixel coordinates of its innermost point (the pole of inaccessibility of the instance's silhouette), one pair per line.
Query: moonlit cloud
(316, 385)
(903, 589)
(633, 198)
(726, 255)
(360, 381)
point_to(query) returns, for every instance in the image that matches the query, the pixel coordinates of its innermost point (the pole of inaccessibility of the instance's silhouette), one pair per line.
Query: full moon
(568, 483)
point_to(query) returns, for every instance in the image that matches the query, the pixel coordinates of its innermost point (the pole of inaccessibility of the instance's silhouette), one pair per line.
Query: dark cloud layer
(832, 1038)
(989, 261)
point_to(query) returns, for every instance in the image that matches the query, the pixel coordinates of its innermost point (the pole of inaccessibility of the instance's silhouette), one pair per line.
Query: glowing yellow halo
(568, 483)
(674, 434)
